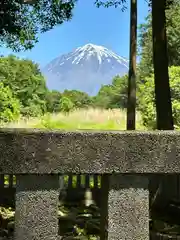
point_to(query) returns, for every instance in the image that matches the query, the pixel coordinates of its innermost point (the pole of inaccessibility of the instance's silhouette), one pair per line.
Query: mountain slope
(85, 69)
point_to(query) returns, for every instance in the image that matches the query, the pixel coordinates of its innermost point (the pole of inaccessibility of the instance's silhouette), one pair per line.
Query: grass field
(80, 119)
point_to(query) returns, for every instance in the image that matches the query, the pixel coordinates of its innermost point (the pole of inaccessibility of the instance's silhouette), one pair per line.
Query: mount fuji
(86, 69)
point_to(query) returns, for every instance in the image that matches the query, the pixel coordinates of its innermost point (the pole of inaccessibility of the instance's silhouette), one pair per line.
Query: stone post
(36, 214)
(128, 207)
(104, 207)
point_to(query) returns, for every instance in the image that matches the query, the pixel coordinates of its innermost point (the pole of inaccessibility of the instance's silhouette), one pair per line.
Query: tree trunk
(160, 60)
(131, 102)
(167, 185)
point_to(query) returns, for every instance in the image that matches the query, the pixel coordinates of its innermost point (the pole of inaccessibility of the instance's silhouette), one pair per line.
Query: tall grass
(99, 119)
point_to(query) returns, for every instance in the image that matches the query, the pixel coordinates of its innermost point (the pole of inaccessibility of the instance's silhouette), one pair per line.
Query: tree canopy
(173, 42)
(110, 3)
(26, 83)
(21, 23)
(113, 95)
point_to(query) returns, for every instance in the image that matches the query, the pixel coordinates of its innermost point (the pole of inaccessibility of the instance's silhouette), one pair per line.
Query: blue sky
(106, 27)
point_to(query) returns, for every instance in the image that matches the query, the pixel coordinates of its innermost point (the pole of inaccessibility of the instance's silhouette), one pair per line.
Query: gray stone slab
(128, 208)
(30, 151)
(36, 215)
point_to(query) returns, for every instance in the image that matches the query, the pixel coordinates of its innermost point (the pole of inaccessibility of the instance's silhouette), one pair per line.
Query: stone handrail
(125, 160)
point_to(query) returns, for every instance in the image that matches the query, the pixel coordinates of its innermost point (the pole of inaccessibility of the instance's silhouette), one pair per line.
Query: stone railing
(124, 158)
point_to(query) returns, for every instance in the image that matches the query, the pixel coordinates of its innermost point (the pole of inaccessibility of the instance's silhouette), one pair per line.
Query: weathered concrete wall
(89, 152)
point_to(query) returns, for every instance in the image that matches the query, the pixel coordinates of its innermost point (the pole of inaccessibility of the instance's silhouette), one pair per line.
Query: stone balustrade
(125, 160)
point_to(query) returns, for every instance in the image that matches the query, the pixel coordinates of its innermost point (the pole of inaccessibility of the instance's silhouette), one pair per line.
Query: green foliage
(173, 40)
(26, 82)
(66, 105)
(147, 98)
(113, 95)
(79, 99)
(9, 106)
(112, 3)
(53, 101)
(21, 23)
(145, 67)
(69, 99)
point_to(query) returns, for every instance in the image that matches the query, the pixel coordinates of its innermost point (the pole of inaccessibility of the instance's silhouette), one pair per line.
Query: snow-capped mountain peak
(100, 52)
(86, 69)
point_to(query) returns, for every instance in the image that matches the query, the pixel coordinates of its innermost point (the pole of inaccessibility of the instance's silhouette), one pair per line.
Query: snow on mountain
(86, 68)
